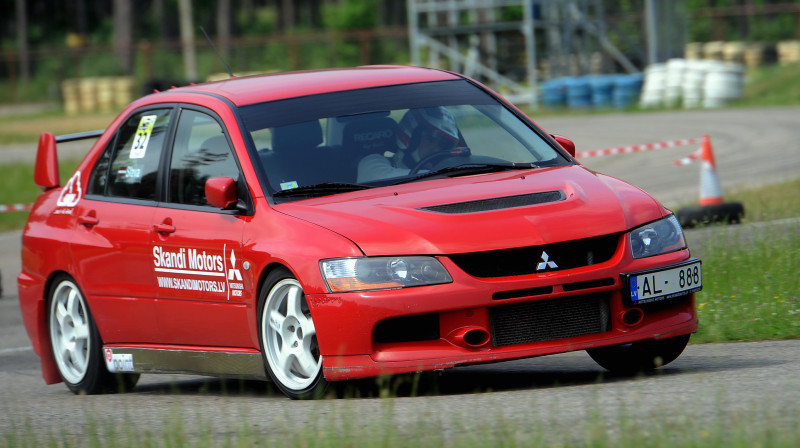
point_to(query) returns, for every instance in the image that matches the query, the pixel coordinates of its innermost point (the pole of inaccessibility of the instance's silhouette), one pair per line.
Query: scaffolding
(512, 44)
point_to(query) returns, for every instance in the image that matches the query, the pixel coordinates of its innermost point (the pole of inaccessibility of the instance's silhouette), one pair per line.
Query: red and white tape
(690, 158)
(15, 207)
(637, 148)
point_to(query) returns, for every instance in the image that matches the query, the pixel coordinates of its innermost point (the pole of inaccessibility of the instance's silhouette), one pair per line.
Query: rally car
(321, 226)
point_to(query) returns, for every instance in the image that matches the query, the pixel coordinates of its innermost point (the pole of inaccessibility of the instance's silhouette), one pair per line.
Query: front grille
(551, 319)
(529, 260)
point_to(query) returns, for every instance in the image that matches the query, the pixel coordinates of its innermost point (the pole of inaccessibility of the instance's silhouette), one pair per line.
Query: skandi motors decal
(190, 269)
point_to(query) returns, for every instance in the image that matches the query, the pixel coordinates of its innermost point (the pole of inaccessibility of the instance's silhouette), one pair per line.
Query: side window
(134, 164)
(201, 151)
(99, 179)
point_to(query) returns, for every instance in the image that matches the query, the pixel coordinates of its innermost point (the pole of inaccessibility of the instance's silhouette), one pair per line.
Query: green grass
(24, 129)
(768, 203)
(338, 425)
(751, 290)
(17, 187)
(773, 85)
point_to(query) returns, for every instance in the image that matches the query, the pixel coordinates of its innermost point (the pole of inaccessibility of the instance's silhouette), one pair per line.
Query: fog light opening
(476, 338)
(632, 317)
(469, 337)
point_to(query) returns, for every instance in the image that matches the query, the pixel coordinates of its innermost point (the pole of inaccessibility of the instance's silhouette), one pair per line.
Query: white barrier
(693, 83)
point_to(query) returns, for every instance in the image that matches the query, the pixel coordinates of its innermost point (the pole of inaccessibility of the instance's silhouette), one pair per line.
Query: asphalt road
(549, 398)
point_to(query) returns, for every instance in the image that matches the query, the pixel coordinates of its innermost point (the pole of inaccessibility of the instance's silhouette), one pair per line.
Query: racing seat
(370, 136)
(295, 154)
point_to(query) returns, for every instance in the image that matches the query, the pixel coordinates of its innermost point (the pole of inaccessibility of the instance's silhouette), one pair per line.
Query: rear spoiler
(45, 173)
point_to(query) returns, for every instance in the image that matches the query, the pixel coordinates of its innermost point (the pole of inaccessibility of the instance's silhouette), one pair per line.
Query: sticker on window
(143, 132)
(129, 173)
(288, 185)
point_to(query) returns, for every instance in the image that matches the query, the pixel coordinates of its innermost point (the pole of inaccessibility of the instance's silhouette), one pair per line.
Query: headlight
(658, 237)
(363, 274)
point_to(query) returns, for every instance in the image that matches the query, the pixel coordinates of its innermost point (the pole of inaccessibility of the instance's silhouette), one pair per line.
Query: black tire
(288, 339)
(727, 212)
(77, 347)
(639, 356)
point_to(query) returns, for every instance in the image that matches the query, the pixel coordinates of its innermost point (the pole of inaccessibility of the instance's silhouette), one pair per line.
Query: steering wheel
(440, 155)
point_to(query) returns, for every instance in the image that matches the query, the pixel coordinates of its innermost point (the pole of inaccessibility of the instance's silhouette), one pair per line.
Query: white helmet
(438, 119)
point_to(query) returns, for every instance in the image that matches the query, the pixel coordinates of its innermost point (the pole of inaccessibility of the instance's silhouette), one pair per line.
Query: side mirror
(221, 192)
(45, 173)
(565, 143)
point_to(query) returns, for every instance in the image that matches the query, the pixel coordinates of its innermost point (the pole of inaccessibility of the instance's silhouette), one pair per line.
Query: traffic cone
(710, 189)
(712, 207)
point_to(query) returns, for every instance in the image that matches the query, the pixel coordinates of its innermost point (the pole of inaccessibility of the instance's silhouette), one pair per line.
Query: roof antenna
(217, 52)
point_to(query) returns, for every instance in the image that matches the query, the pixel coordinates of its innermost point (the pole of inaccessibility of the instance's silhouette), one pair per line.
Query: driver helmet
(437, 120)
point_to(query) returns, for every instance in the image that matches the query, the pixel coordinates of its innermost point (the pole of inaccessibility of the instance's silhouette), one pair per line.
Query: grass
(773, 85)
(337, 424)
(17, 187)
(26, 128)
(770, 202)
(751, 290)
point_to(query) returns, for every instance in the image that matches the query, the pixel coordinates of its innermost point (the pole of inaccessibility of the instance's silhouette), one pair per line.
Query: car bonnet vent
(486, 205)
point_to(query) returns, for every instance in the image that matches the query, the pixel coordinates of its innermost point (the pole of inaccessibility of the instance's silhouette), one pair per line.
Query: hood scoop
(486, 205)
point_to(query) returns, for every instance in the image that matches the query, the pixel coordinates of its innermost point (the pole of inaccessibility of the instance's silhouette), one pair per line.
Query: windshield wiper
(466, 169)
(323, 189)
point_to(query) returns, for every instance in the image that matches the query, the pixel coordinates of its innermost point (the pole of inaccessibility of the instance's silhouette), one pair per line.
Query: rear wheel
(639, 356)
(76, 343)
(288, 338)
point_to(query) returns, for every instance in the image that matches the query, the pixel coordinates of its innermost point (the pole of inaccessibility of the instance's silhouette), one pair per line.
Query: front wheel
(288, 338)
(639, 356)
(76, 343)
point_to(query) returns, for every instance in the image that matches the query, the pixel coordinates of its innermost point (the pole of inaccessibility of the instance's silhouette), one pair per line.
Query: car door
(111, 247)
(203, 287)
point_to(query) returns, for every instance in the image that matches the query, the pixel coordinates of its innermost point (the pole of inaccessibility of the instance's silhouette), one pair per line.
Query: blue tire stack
(627, 89)
(598, 91)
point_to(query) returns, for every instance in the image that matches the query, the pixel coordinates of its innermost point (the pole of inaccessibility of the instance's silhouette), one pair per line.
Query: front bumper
(462, 319)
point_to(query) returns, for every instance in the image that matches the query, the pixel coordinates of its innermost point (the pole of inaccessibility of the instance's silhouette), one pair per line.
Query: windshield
(345, 141)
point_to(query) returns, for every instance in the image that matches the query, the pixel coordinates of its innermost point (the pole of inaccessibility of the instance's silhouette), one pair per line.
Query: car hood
(405, 219)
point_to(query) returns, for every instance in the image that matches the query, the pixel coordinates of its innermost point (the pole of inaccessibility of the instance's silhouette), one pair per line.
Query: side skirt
(243, 365)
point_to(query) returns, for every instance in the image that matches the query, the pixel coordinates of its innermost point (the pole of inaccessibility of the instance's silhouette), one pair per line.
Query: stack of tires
(692, 83)
(593, 91)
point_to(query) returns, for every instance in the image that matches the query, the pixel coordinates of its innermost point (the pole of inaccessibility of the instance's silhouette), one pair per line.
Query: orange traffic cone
(712, 208)
(710, 189)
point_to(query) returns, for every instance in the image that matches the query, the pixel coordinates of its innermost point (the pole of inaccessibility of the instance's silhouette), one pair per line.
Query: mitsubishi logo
(546, 263)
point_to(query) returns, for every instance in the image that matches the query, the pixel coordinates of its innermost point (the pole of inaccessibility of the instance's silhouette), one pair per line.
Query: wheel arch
(47, 358)
(268, 269)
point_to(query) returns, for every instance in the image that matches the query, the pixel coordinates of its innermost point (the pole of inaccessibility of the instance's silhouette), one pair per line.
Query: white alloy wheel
(70, 332)
(289, 340)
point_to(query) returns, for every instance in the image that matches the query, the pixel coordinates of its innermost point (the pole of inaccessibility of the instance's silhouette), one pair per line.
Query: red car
(329, 225)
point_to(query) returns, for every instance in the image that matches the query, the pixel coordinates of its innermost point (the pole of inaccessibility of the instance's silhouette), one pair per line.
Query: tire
(639, 356)
(288, 338)
(727, 212)
(77, 347)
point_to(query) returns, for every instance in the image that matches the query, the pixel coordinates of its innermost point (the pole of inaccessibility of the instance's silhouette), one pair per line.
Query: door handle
(88, 220)
(164, 228)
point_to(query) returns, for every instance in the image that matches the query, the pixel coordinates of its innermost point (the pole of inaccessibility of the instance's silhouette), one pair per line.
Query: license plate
(663, 284)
